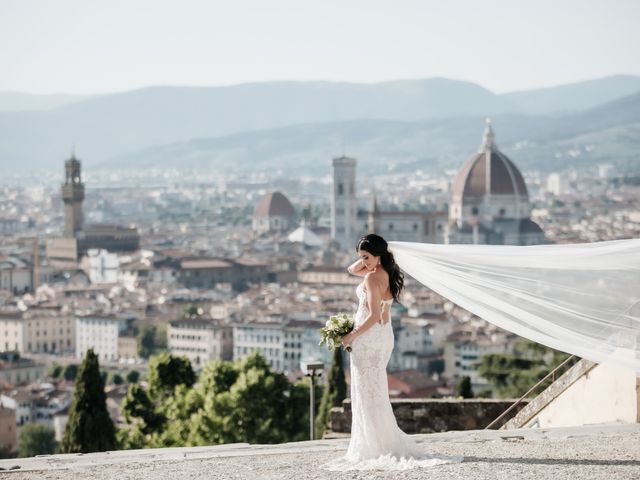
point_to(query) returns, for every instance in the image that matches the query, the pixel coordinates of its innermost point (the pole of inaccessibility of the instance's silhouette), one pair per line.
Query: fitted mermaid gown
(377, 443)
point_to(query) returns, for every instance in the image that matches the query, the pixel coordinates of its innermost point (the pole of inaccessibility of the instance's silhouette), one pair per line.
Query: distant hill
(18, 102)
(607, 133)
(253, 123)
(574, 96)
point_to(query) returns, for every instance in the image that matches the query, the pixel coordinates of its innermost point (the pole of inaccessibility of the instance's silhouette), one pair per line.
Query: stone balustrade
(428, 415)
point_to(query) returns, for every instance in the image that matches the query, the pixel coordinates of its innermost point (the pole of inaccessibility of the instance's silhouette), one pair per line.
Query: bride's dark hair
(377, 246)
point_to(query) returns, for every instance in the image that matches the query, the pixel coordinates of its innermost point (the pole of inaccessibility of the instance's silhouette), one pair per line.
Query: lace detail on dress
(376, 443)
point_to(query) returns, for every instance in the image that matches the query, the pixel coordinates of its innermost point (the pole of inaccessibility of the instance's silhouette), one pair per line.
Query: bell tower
(72, 196)
(343, 202)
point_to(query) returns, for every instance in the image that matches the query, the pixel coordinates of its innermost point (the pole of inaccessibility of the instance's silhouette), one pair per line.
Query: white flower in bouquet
(334, 329)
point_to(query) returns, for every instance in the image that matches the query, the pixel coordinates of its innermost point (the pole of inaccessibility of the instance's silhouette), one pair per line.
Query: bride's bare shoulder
(374, 278)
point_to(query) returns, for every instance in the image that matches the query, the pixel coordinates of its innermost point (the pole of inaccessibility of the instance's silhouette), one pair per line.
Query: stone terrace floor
(589, 452)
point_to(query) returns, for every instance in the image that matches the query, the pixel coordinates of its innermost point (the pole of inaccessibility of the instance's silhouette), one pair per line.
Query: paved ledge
(588, 452)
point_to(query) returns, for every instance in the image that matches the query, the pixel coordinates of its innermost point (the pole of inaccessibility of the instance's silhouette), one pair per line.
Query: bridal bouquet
(334, 329)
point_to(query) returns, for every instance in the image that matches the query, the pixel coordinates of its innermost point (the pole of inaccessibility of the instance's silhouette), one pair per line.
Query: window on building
(340, 189)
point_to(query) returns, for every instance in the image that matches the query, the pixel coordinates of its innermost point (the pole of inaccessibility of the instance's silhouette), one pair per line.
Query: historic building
(204, 272)
(72, 196)
(344, 207)
(46, 330)
(78, 238)
(100, 332)
(348, 222)
(200, 340)
(406, 226)
(284, 344)
(490, 202)
(274, 213)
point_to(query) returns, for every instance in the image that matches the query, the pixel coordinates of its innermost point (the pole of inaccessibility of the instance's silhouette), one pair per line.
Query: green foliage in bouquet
(334, 329)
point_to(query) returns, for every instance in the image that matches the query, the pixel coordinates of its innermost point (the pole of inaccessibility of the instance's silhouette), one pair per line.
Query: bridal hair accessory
(578, 298)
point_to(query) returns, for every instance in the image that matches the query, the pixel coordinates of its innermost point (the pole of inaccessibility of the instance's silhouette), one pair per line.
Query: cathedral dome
(274, 204)
(488, 171)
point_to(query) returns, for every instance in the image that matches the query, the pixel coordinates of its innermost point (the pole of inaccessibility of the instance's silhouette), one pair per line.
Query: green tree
(160, 338)
(514, 374)
(133, 376)
(435, 366)
(243, 401)
(36, 439)
(259, 405)
(70, 372)
(166, 372)
(146, 341)
(89, 429)
(117, 379)
(464, 388)
(191, 311)
(334, 393)
(218, 376)
(6, 453)
(137, 405)
(56, 371)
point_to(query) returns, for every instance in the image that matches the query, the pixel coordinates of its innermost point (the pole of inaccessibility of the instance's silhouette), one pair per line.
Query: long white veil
(578, 298)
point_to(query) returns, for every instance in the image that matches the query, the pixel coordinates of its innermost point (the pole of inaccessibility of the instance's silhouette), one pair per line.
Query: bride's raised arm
(357, 268)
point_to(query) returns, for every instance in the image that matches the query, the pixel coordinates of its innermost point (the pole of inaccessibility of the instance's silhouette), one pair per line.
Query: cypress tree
(334, 393)
(464, 388)
(90, 429)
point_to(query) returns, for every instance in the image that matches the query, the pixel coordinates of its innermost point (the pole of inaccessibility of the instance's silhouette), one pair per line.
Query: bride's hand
(348, 339)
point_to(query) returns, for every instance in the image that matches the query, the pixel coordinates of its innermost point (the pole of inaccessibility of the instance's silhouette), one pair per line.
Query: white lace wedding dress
(377, 443)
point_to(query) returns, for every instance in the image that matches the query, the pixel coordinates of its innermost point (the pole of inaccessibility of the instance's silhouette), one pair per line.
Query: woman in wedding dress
(377, 443)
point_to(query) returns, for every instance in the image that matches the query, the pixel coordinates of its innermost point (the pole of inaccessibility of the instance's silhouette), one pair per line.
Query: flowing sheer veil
(578, 298)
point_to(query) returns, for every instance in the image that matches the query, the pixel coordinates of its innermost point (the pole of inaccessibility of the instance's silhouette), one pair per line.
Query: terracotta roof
(274, 204)
(506, 179)
(204, 263)
(247, 262)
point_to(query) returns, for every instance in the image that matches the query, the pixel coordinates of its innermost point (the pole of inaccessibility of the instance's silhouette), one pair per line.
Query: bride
(376, 440)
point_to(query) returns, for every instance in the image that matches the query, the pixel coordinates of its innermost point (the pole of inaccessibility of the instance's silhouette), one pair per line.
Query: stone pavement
(589, 452)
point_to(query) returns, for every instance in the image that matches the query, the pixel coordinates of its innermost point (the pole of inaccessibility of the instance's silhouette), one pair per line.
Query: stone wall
(427, 415)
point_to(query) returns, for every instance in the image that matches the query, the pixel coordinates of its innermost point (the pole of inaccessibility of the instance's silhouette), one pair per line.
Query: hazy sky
(87, 46)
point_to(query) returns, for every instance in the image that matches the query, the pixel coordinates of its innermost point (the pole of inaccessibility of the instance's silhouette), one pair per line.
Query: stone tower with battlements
(72, 196)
